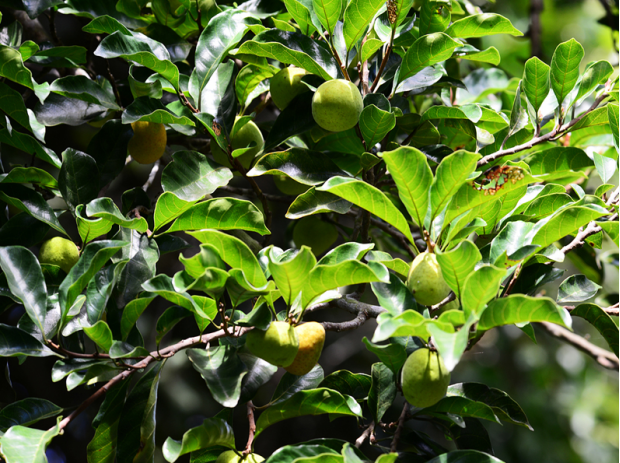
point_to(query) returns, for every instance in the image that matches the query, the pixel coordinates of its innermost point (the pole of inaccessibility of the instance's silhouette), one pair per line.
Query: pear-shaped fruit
(230, 456)
(241, 139)
(426, 281)
(311, 339)
(314, 233)
(277, 345)
(337, 105)
(424, 378)
(59, 251)
(148, 142)
(288, 186)
(286, 85)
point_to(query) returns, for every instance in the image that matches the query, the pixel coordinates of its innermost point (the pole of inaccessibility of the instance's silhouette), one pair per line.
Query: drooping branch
(604, 357)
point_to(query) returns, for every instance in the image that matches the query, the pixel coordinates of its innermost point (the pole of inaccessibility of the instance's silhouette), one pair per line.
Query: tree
(487, 177)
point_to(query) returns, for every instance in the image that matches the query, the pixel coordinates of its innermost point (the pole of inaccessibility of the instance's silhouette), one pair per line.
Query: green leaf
(518, 308)
(259, 372)
(565, 222)
(502, 404)
(291, 384)
(370, 47)
(393, 355)
(594, 118)
(346, 251)
(78, 180)
(162, 286)
(434, 17)
(13, 68)
(222, 33)
(427, 50)
(305, 453)
(109, 148)
(28, 144)
(576, 288)
(211, 432)
(84, 89)
(168, 207)
(235, 253)
(315, 202)
(101, 334)
(409, 323)
(293, 48)
(489, 55)
(30, 175)
(142, 50)
(382, 390)
(136, 427)
(356, 385)
(12, 99)
(413, 177)
(251, 80)
(312, 402)
(451, 174)
(131, 313)
(222, 370)
(473, 112)
(480, 25)
(595, 74)
(27, 445)
(105, 25)
(394, 296)
(15, 342)
(31, 202)
(152, 110)
(369, 198)
(451, 345)
(104, 208)
(25, 279)
(290, 271)
(102, 448)
(375, 124)
(480, 287)
(601, 320)
(558, 162)
(612, 116)
(221, 214)
(465, 456)
(93, 257)
(565, 68)
(26, 412)
(167, 320)
(328, 12)
(357, 16)
(295, 119)
(323, 278)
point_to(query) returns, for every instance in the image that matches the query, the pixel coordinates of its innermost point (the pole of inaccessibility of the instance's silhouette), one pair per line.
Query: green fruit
(286, 85)
(426, 281)
(59, 251)
(288, 186)
(314, 233)
(230, 456)
(242, 139)
(311, 339)
(337, 105)
(277, 345)
(424, 378)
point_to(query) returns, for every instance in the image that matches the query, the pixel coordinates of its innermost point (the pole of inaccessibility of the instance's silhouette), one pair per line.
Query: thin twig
(604, 357)
(449, 298)
(117, 95)
(383, 62)
(399, 428)
(152, 175)
(365, 435)
(513, 280)
(252, 428)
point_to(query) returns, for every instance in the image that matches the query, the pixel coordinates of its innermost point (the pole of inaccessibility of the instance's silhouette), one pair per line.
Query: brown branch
(349, 325)
(399, 428)
(611, 310)
(449, 298)
(117, 95)
(603, 357)
(252, 428)
(384, 61)
(365, 435)
(556, 132)
(513, 280)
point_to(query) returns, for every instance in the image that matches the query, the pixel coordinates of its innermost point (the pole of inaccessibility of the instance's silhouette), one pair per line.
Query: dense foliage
(492, 181)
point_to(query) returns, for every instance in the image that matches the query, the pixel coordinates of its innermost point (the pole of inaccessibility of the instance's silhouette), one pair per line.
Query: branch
(449, 298)
(164, 353)
(384, 61)
(361, 310)
(580, 239)
(399, 428)
(252, 425)
(603, 357)
(367, 432)
(558, 131)
(611, 310)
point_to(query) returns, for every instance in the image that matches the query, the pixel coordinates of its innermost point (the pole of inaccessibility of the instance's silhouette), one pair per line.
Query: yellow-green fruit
(245, 136)
(425, 280)
(59, 251)
(424, 378)
(337, 105)
(314, 233)
(311, 339)
(148, 142)
(230, 456)
(286, 85)
(288, 186)
(277, 345)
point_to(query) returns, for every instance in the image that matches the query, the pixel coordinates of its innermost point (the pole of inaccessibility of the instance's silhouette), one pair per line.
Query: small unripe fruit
(337, 105)
(245, 136)
(311, 339)
(314, 233)
(426, 281)
(424, 378)
(230, 456)
(286, 85)
(59, 251)
(277, 345)
(288, 186)
(148, 142)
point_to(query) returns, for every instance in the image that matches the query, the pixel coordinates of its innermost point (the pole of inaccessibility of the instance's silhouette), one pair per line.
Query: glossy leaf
(480, 25)
(291, 384)
(480, 287)
(451, 345)
(102, 448)
(463, 406)
(465, 456)
(152, 110)
(382, 390)
(375, 124)
(426, 51)
(518, 308)
(167, 320)
(576, 288)
(394, 296)
(168, 207)
(212, 432)
(564, 223)
(31, 202)
(105, 208)
(290, 272)
(27, 445)
(26, 412)
(357, 16)
(328, 12)
(101, 334)
(565, 68)
(142, 255)
(601, 320)
(295, 119)
(315, 202)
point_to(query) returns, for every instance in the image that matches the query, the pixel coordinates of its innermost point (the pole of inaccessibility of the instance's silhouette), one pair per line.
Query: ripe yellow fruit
(230, 456)
(311, 339)
(286, 85)
(148, 142)
(245, 136)
(424, 378)
(314, 233)
(277, 345)
(59, 251)
(288, 186)
(337, 105)
(426, 281)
